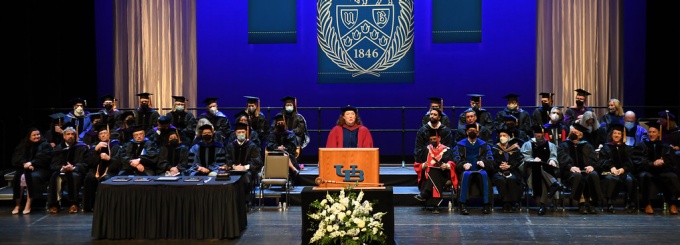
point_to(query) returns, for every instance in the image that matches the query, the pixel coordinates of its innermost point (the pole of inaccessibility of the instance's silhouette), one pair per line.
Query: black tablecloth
(384, 204)
(207, 209)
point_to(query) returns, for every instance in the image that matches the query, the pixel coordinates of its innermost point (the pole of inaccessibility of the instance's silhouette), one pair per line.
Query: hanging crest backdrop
(364, 41)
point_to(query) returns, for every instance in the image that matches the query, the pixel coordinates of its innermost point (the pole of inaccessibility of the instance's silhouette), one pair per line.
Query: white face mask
(213, 110)
(241, 137)
(79, 112)
(504, 140)
(289, 109)
(180, 108)
(554, 117)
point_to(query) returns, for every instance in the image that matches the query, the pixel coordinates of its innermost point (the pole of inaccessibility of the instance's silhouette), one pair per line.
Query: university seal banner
(365, 41)
(272, 21)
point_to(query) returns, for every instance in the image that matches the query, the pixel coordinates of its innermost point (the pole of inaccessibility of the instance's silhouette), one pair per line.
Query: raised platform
(402, 179)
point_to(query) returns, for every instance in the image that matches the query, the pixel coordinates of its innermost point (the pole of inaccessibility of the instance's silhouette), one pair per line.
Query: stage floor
(412, 226)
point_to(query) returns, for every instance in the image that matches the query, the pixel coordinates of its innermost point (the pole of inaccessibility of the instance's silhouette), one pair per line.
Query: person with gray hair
(594, 134)
(68, 165)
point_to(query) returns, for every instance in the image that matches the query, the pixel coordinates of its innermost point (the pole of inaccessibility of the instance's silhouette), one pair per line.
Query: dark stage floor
(412, 226)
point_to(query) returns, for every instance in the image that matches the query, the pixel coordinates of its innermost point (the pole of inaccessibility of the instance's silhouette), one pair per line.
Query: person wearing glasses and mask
(183, 119)
(220, 122)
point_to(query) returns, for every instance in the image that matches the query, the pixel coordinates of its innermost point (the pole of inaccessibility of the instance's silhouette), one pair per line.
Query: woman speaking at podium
(349, 132)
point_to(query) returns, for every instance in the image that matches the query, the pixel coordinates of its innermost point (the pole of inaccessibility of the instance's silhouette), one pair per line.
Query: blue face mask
(629, 125)
(289, 109)
(241, 137)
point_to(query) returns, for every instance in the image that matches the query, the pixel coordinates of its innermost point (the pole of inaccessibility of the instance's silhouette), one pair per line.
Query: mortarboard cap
(348, 108)
(100, 127)
(144, 95)
(580, 127)
(437, 100)
(653, 124)
(179, 98)
(136, 128)
(433, 132)
(240, 114)
(125, 114)
(164, 119)
(278, 117)
(582, 92)
(537, 129)
(57, 115)
(505, 130)
(75, 101)
(616, 126)
(289, 99)
(206, 126)
(511, 96)
(667, 115)
(107, 97)
(252, 99)
(209, 100)
(475, 97)
(469, 126)
(546, 95)
(240, 125)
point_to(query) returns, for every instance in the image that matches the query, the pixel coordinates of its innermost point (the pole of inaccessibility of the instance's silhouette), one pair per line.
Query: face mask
(289, 109)
(554, 117)
(179, 108)
(472, 135)
(213, 110)
(510, 126)
(130, 121)
(504, 140)
(434, 144)
(206, 137)
(579, 103)
(251, 110)
(174, 142)
(512, 106)
(475, 106)
(540, 140)
(79, 112)
(545, 105)
(629, 125)
(573, 137)
(145, 106)
(108, 107)
(241, 137)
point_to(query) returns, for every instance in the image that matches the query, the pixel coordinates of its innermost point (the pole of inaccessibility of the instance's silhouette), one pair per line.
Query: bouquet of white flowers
(345, 219)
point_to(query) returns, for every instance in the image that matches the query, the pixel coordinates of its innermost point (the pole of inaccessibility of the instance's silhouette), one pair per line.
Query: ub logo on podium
(365, 40)
(350, 175)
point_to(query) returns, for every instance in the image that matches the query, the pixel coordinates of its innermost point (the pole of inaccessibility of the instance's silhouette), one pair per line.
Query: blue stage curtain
(456, 21)
(272, 21)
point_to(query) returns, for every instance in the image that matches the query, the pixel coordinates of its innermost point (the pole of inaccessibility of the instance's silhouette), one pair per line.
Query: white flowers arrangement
(346, 219)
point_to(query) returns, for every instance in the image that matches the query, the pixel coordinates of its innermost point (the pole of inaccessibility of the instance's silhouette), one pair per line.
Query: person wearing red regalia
(435, 172)
(349, 132)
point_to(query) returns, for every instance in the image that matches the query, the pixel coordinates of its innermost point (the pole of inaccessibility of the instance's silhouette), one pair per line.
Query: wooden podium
(340, 167)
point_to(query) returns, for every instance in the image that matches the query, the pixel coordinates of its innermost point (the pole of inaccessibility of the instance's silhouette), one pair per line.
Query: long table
(179, 209)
